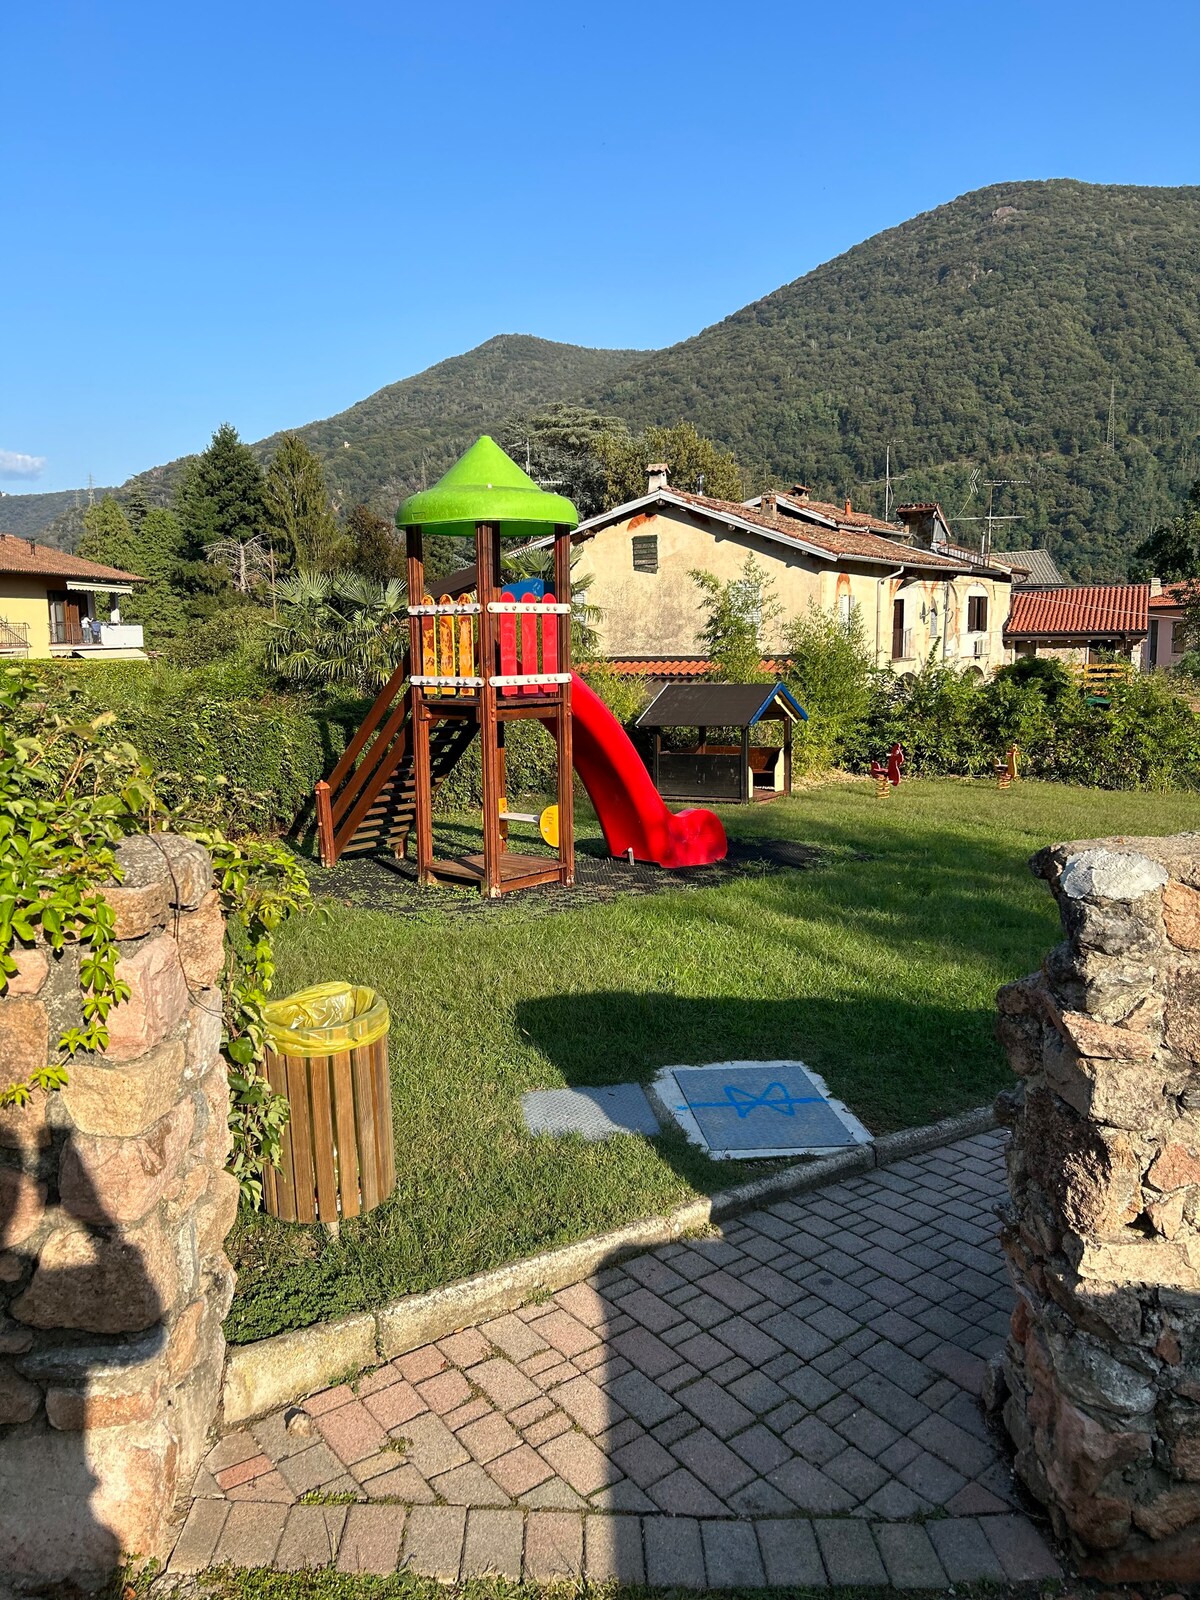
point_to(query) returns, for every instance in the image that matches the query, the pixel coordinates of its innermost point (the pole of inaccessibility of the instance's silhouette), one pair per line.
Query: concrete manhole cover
(740, 1110)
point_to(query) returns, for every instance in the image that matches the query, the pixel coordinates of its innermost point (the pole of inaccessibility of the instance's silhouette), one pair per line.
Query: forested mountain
(1046, 332)
(30, 515)
(990, 334)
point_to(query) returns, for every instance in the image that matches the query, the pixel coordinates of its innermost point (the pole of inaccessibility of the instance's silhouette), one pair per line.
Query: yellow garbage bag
(324, 1019)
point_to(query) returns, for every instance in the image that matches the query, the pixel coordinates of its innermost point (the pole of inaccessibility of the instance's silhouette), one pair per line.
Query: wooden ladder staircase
(367, 803)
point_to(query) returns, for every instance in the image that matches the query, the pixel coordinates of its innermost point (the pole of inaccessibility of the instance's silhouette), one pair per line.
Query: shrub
(829, 670)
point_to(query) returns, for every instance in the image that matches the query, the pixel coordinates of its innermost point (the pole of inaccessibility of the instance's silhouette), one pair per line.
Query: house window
(898, 630)
(977, 613)
(845, 610)
(1154, 641)
(645, 552)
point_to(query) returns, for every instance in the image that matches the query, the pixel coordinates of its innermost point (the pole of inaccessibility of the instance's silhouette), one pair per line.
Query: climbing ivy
(70, 790)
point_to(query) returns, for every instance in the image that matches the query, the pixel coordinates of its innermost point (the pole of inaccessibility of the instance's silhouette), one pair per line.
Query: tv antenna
(991, 517)
(888, 479)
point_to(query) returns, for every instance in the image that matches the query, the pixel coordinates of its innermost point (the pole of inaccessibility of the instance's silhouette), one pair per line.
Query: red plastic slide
(630, 808)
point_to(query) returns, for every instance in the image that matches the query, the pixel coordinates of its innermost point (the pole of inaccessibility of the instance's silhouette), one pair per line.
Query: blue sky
(262, 212)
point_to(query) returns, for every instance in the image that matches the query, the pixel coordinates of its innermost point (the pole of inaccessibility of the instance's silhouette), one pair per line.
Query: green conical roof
(485, 485)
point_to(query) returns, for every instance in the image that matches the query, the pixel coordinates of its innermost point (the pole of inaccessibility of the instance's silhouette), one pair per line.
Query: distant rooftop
(44, 561)
(1099, 611)
(1040, 568)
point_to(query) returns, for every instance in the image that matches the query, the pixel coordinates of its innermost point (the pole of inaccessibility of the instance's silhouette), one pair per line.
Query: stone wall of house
(114, 1207)
(1100, 1382)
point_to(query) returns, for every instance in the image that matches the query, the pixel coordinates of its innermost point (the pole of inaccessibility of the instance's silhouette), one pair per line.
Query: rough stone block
(191, 869)
(22, 1206)
(24, 1039)
(120, 1180)
(1181, 915)
(200, 935)
(19, 1399)
(157, 1001)
(33, 968)
(120, 1283)
(124, 1100)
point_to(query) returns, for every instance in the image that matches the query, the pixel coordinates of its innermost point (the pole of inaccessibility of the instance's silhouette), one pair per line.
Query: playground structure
(887, 778)
(739, 772)
(475, 663)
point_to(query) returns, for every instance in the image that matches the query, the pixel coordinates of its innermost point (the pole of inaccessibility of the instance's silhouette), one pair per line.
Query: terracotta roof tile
(1087, 612)
(1175, 595)
(673, 666)
(44, 561)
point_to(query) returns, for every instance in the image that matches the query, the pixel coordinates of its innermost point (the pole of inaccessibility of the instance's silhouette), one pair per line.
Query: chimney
(656, 476)
(849, 507)
(801, 492)
(769, 505)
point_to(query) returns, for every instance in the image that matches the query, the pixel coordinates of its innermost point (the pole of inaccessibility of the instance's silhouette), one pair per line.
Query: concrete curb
(269, 1373)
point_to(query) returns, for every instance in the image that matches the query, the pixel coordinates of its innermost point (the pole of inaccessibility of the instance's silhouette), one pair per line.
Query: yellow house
(53, 604)
(913, 588)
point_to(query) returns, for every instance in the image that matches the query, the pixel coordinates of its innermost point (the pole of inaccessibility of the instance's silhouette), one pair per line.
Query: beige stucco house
(913, 588)
(56, 604)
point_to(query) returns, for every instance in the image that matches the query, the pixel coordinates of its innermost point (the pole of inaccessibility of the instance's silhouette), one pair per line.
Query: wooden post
(422, 777)
(325, 840)
(487, 568)
(566, 774)
(787, 755)
(745, 785)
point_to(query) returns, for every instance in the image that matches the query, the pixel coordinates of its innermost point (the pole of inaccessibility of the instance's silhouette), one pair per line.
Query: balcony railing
(14, 636)
(113, 636)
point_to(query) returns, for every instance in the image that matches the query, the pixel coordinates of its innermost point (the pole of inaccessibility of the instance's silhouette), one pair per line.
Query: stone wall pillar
(1100, 1383)
(114, 1207)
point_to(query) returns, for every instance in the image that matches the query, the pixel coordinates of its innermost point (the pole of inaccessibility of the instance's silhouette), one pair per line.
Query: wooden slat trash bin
(327, 1055)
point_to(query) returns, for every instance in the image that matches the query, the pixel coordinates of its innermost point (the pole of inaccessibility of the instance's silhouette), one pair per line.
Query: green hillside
(30, 515)
(990, 334)
(998, 337)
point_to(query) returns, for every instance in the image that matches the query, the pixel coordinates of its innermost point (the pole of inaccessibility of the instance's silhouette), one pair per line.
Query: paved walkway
(790, 1401)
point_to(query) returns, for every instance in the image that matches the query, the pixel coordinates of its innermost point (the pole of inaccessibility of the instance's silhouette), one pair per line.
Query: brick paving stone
(422, 1363)
(251, 1535)
(474, 1408)
(577, 1460)
(232, 1449)
(432, 1448)
(311, 1537)
(746, 1340)
(622, 1496)
(396, 1404)
(810, 1388)
(646, 1352)
(620, 1433)
(678, 1376)
(965, 1552)
(976, 1501)
(645, 1460)
(887, 1401)
(468, 1486)
(516, 1338)
(909, 1557)
(932, 1478)
(807, 1487)
(674, 1552)
(1021, 1549)
(272, 1486)
(814, 1441)
(790, 1555)
(504, 1385)
(276, 1439)
(525, 1416)
(553, 1546)
(465, 1349)
(519, 1471)
(713, 1463)
(963, 1451)
(198, 1539)
(252, 1467)
(328, 1399)
(445, 1392)
(796, 1335)
(896, 1501)
(403, 1483)
(587, 1404)
(675, 1427)
(488, 1438)
(590, 1360)
(351, 1432)
(566, 1333)
(760, 1447)
(849, 1553)
(682, 1494)
(547, 1428)
(761, 1499)
(612, 1550)
(559, 1373)
(856, 1472)
(553, 1495)
(870, 1433)
(703, 1351)
(714, 1407)
(371, 1539)
(757, 1392)
(721, 1286)
(493, 1544)
(649, 1309)
(311, 1468)
(433, 1541)
(731, 1555)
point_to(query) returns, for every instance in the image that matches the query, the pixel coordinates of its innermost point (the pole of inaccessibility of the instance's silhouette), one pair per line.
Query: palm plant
(338, 629)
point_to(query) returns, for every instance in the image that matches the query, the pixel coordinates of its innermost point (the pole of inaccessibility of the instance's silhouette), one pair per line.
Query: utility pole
(989, 521)
(91, 491)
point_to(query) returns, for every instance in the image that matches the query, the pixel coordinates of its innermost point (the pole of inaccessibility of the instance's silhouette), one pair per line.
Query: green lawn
(878, 967)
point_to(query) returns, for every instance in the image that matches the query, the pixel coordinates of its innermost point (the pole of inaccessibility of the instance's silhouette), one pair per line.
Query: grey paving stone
(790, 1555)
(814, 1441)
(674, 1552)
(965, 1551)
(553, 1546)
(870, 1433)
(371, 1539)
(311, 1468)
(964, 1451)
(910, 1559)
(796, 1335)
(310, 1538)
(807, 1487)
(763, 1449)
(713, 1463)
(645, 1460)
(682, 1494)
(714, 1407)
(886, 1401)
(757, 1392)
(1022, 1550)
(251, 1534)
(856, 1472)
(731, 1555)
(198, 1539)
(895, 1501)
(433, 1541)
(849, 1552)
(612, 1550)
(932, 1478)
(493, 1544)
(810, 1388)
